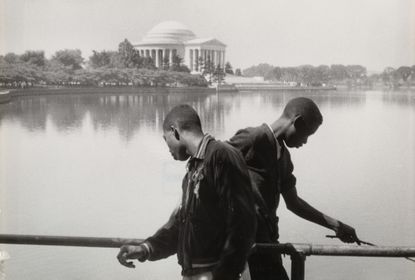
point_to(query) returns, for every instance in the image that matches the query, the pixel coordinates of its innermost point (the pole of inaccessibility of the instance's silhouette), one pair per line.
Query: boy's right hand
(347, 233)
(131, 252)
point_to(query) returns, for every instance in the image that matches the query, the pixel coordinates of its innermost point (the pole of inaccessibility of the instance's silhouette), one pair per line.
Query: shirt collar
(201, 150)
(277, 143)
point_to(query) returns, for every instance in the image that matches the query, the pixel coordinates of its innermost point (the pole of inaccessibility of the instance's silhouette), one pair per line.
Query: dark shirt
(270, 169)
(214, 229)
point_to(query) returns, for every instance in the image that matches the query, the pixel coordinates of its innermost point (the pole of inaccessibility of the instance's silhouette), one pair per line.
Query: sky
(372, 33)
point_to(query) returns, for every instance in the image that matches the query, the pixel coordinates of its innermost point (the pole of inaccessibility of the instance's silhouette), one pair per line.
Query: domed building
(171, 38)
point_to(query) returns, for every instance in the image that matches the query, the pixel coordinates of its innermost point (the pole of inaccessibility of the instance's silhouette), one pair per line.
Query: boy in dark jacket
(270, 167)
(213, 230)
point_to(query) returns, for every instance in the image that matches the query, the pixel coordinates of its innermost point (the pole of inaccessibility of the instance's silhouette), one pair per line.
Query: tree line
(334, 74)
(124, 67)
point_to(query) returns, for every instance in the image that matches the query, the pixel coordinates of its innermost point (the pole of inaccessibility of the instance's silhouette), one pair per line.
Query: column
(153, 56)
(197, 59)
(170, 56)
(164, 57)
(223, 58)
(191, 59)
(157, 58)
(216, 58)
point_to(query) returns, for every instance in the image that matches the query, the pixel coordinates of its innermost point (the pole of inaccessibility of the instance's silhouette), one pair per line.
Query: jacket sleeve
(233, 184)
(164, 242)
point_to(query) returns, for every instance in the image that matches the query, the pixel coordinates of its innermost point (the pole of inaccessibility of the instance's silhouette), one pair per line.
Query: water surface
(96, 165)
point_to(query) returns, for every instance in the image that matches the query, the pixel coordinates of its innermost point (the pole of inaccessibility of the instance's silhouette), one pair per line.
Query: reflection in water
(403, 98)
(127, 113)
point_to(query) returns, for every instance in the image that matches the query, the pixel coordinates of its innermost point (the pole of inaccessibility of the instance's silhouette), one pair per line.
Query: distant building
(171, 38)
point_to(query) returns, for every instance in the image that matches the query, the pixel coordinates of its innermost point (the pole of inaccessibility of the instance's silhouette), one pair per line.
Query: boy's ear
(176, 134)
(299, 123)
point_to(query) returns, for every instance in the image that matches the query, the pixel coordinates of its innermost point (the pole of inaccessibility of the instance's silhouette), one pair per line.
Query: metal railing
(298, 252)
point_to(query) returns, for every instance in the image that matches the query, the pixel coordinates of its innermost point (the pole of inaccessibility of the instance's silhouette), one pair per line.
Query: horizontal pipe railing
(102, 242)
(286, 248)
(340, 250)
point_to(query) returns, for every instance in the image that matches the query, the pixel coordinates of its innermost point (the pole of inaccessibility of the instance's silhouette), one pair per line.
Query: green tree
(413, 73)
(338, 72)
(69, 58)
(130, 57)
(218, 74)
(356, 71)
(166, 63)
(148, 63)
(34, 57)
(238, 72)
(274, 74)
(201, 63)
(228, 68)
(100, 59)
(388, 75)
(261, 70)
(11, 58)
(177, 65)
(290, 74)
(321, 74)
(305, 74)
(208, 69)
(404, 72)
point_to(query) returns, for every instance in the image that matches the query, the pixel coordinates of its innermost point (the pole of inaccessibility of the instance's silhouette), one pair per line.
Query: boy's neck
(192, 142)
(279, 127)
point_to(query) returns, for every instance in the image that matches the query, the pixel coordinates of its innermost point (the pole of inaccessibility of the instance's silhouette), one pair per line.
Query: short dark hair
(306, 108)
(183, 117)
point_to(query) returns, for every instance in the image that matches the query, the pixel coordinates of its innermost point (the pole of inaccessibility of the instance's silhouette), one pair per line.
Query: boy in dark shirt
(270, 167)
(213, 230)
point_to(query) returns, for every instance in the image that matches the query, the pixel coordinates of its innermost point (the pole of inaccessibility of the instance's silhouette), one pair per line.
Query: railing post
(297, 266)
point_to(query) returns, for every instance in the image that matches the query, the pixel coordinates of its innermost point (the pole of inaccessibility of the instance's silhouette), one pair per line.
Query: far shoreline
(7, 94)
(58, 90)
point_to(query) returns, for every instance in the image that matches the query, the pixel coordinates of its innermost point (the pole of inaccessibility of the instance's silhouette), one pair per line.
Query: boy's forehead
(311, 128)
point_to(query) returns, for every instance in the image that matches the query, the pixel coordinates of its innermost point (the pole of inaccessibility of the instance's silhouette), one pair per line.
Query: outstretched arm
(301, 208)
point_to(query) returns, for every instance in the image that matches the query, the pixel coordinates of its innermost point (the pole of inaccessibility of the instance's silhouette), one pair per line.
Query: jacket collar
(201, 151)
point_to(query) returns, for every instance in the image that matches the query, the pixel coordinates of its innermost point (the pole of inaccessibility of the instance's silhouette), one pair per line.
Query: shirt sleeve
(164, 242)
(233, 185)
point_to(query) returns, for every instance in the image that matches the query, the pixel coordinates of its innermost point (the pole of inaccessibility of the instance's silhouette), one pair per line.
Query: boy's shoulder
(221, 150)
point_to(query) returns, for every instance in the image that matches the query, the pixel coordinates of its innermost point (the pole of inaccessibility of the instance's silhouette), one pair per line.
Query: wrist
(336, 225)
(145, 249)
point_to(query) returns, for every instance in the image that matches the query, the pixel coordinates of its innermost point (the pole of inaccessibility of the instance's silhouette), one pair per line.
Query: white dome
(168, 32)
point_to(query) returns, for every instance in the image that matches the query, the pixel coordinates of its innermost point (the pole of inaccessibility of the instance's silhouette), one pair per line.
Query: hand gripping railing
(298, 252)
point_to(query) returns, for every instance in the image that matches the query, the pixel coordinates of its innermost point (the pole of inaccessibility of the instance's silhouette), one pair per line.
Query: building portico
(169, 39)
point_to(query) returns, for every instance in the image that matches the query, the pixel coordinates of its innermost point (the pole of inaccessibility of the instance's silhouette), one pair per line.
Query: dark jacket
(214, 229)
(271, 172)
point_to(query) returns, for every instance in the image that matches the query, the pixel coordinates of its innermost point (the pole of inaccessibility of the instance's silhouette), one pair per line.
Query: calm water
(96, 165)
